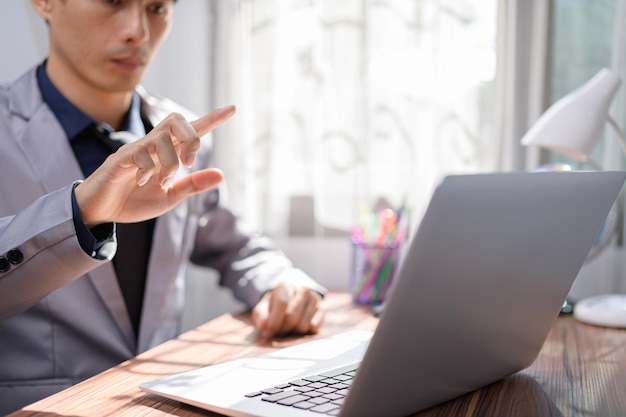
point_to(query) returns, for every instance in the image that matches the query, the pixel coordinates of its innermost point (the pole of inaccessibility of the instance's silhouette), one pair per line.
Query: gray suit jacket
(62, 315)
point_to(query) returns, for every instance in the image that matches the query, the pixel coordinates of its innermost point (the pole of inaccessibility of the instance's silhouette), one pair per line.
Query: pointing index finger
(211, 120)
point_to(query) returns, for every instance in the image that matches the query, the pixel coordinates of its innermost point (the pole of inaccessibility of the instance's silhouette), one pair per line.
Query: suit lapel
(173, 237)
(105, 282)
(165, 280)
(40, 137)
(44, 143)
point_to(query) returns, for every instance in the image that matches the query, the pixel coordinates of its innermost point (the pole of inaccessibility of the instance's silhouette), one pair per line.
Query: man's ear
(42, 7)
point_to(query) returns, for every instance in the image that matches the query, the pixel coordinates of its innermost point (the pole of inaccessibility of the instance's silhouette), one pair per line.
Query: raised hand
(135, 183)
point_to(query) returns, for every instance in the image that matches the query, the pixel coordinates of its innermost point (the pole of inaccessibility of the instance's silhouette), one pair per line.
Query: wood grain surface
(581, 371)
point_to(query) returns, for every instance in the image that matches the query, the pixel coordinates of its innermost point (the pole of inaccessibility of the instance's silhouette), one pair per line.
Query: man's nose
(135, 25)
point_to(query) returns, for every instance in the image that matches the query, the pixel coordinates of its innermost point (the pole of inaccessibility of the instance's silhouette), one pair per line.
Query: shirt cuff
(98, 242)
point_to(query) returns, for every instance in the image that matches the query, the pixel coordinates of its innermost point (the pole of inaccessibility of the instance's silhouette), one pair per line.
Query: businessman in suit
(96, 233)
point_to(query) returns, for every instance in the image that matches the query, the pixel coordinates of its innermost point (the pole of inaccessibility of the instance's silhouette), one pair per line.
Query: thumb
(196, 182)
(260, 314)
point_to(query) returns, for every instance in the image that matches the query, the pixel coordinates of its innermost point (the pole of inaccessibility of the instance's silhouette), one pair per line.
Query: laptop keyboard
(321, 393)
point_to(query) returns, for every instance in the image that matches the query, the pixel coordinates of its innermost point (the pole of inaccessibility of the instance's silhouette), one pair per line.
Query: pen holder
(372, 272)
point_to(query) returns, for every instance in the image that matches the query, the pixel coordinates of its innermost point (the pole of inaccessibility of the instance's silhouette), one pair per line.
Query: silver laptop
(478, 290)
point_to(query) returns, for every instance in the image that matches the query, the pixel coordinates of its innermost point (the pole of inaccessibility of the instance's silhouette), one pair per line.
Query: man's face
(105, 44)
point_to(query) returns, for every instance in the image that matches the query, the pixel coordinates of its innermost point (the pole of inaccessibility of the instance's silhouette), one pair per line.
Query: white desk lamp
(572, 126)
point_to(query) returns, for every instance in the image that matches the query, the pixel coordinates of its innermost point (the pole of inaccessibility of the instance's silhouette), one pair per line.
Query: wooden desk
(581, 371)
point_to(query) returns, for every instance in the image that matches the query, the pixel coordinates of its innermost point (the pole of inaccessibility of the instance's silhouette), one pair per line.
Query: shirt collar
(73, 120)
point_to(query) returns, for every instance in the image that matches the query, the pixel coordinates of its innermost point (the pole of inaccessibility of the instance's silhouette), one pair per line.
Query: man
(67, 311)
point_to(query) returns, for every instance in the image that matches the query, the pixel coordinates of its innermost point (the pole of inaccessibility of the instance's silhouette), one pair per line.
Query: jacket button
(15, 256)
(4, 265)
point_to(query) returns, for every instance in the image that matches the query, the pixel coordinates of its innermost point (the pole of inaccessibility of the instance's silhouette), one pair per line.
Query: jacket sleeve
(40, 252)
(248, 263)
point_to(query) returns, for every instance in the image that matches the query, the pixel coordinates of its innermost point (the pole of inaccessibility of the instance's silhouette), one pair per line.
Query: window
(587, 36)
(342, 103)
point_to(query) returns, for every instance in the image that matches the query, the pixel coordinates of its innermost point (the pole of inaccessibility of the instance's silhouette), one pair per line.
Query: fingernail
(189, 159)
(167, 181)
(142, 181)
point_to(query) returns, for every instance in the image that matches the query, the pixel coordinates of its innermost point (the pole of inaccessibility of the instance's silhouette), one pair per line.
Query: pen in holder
(372, 272)
(376, 244)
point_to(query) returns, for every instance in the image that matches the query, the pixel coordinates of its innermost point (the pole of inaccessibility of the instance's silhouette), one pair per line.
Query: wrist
(80, 199)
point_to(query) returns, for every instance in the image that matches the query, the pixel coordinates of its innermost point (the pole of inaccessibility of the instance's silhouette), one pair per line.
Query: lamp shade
(573, 125)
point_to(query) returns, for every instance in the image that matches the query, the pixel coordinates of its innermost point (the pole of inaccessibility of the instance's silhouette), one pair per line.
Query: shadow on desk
(516, 396)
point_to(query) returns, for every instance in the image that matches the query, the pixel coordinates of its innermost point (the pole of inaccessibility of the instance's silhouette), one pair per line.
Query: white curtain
(524, 29)
(343, 103)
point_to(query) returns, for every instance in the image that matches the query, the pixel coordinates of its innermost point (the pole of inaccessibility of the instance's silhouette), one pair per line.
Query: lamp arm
(619, 133)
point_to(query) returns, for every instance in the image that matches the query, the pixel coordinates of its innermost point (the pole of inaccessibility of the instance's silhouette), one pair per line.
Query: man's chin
(123, 85)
